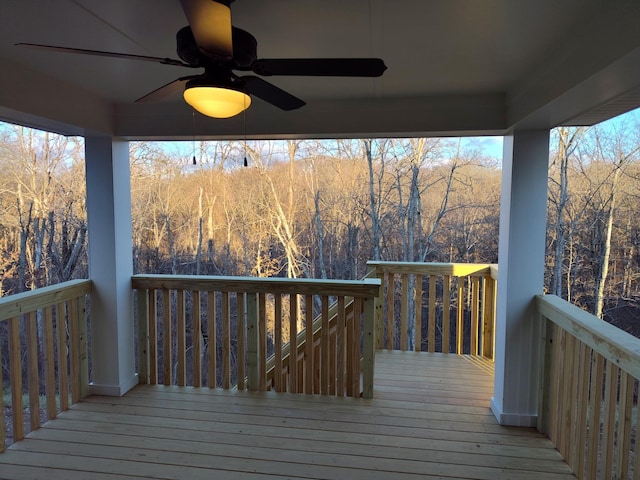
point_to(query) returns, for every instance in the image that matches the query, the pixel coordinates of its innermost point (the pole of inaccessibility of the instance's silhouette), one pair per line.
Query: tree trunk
(373, 204)
(604, 267)
(200, 225)
(320, 230)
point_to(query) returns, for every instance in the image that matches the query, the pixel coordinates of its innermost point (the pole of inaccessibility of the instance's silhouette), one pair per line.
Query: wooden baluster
(317, 363)
(253, 352)
(460, 318)
(277, 344)
(432, 313)
(566, 398)
(293, 343)
(582, 410)
(595, 399)
(49, 364)
(417, 334)
(262, 341)
(301, 373)
(357, 331)
(636, 445)
(166, 337)
(15, 376)
(446, 313)
(142, 319)
(341, 348)
(181, 347)
(226, 342)
(241, 341)
(417, 340)
(546, 371)
(573, 385)
(350, 347)
(212, 352)
(610, 403)
(324, 347)
(404, 308)
(626, 419)
(308, 345)
(368, 347)
(153, 337)
(83, 345)
(379, 311)
(475, 314)
(556, 386)
(3, 434)
(488, 316)
(74, 351)
(391, 321)
(32, 369)
(333, 352)
(196, 338)
(63, 368)
(577, 422)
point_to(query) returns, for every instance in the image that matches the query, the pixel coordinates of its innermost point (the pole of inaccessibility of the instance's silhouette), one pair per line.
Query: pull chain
(193, 130)
(244, 119)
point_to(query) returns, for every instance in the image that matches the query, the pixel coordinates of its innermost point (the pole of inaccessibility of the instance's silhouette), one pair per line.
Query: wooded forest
(322, 209)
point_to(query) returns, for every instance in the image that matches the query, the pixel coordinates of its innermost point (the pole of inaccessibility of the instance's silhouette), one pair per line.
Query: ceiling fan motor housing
(187, 48)
(245, 49)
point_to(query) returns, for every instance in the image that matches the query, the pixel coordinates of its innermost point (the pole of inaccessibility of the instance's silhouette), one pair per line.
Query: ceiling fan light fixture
(216, 101)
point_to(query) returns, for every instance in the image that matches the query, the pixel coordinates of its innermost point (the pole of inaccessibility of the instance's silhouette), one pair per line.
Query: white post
(521, 260)
(110, 265)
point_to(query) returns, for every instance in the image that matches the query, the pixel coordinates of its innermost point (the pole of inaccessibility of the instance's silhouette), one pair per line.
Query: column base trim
(512, 419)
(113, 390)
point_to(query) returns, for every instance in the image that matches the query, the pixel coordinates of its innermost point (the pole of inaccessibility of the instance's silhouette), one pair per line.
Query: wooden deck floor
(438, 427)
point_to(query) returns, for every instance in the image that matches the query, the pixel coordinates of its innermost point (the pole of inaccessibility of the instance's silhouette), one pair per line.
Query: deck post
(378, 304)
(523, 217)
(110, 265)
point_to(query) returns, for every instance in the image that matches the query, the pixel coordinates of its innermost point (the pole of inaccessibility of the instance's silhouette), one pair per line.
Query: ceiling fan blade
(210, 23)
(171, 88)
(270, 93)
(100, 53)
(320, 67)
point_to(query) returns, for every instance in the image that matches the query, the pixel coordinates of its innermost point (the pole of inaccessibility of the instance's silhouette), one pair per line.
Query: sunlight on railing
(436, 307)
(48, 327)
(589, 405)
(239, 331)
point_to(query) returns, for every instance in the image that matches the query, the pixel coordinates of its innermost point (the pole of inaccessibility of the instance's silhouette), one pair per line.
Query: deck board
(437, 427)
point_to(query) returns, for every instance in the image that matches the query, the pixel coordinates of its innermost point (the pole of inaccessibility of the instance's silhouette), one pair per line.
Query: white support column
(521, 260)
(110, 265)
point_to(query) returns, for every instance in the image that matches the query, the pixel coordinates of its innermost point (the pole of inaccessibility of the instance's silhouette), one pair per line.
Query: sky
(489, 146)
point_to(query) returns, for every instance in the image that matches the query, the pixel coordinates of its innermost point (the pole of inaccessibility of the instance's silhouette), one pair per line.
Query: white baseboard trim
(113, 390)
(512, 419)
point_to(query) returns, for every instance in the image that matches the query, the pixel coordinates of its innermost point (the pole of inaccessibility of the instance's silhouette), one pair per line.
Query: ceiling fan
(212, 43)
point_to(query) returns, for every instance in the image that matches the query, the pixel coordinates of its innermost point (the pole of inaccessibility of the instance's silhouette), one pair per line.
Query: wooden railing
(436, 307)
(221, 331)
(589, 391)
(308, 343)
(48, 328)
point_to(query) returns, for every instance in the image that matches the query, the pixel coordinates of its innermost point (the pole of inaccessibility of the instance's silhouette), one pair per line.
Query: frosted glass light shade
(217, 102)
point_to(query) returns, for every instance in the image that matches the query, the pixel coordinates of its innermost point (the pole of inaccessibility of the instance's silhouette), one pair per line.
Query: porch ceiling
(454, 67)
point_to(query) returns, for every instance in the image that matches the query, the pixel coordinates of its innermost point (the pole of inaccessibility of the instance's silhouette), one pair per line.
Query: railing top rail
(435, 268)
(611, 342)
(25, 302)
(367, 288)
